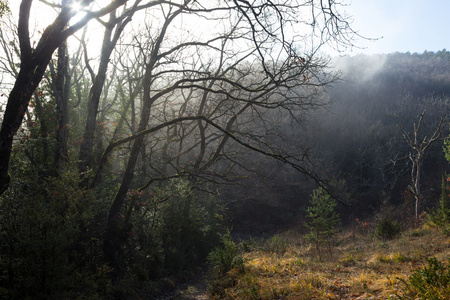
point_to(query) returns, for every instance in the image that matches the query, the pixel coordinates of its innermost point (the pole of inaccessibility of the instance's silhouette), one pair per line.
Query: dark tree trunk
(101, 163)
(85, 155)
(33, 63)
(62, 85)
(28, 79)
(116, 230)
(43, 128)
(86, 151)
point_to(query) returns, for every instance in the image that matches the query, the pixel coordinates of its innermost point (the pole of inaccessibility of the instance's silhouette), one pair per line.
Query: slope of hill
(359, 267)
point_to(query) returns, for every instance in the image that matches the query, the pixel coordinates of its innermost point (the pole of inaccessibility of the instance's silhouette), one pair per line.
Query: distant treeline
(355, 142)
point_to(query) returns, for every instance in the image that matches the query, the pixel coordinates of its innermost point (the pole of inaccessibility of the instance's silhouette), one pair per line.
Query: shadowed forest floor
(193, 289)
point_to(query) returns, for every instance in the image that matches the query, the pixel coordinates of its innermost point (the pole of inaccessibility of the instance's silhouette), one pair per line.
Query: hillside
(361, 266)
(355, 143)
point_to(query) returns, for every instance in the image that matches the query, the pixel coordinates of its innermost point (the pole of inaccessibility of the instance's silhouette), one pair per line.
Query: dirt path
(195, 289)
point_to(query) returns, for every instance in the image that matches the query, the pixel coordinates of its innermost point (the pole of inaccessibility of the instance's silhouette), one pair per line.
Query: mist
(217, 149)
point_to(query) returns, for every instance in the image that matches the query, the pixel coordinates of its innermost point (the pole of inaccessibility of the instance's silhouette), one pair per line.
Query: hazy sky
(405, 25)
(401, 25)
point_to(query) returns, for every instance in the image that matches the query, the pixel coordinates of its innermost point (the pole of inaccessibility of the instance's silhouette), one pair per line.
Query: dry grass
(360, 267)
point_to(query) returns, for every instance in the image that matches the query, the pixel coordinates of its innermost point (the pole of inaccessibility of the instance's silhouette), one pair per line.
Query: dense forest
(131, 158)
(357, 142)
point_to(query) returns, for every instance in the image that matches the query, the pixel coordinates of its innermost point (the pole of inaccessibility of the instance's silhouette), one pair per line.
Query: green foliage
(323, 219)
(387, 229)
(49, 245)
(226, 264)
(430, 282)
(440, 215)
(447, 148)
(275, 244)
(4, 7)
(225, 257)
(51, 235)
(173, 229)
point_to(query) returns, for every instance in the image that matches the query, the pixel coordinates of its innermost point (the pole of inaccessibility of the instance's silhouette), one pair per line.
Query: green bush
(447, 148)
(440, 215)
(49, 243)
(430, 282)
(225, 257)
(222, 261)
(174, 229)
(51, 235)
(386, 229)
(275, 244)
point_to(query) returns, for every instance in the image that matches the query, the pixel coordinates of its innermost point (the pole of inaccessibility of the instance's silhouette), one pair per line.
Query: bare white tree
(418, 147)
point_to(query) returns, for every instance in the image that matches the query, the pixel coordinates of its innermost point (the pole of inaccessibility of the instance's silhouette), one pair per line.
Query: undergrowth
(407, 266)
(428, 282)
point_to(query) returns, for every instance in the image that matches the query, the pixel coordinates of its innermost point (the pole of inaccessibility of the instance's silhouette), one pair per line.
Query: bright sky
(405, 25)
(401, 25)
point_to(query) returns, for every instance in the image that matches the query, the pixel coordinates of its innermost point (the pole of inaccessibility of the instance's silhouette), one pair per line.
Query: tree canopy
(164, 91)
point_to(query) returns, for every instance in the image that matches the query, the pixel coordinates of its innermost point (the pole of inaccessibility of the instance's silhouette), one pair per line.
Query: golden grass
(359, 268)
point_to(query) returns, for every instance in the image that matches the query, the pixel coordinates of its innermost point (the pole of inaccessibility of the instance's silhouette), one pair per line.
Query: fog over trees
(362, 141)
(123, 163)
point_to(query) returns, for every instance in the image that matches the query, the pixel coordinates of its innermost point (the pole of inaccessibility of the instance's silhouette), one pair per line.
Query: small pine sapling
(441, 214)
(323, 219)
(447, 148)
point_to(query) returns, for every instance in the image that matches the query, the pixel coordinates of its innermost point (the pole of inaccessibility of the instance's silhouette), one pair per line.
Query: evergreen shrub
(323, 219)
(429, 282)
(387, 229)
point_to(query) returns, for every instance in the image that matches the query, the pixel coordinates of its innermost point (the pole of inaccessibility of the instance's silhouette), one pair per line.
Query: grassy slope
(360, 267)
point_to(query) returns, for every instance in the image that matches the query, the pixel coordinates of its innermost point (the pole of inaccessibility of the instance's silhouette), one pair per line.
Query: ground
(358, 266)
(194, 289)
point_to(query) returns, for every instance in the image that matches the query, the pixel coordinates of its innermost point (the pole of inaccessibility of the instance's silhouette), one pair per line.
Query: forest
(213, 150)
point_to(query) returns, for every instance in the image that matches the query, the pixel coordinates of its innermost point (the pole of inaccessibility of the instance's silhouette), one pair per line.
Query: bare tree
(61, 83)
(113, 31)
(418, 147)
(206, 93)
(203, 91)
(205, 104)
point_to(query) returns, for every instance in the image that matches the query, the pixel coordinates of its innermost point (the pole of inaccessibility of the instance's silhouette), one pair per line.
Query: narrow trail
(195, 289)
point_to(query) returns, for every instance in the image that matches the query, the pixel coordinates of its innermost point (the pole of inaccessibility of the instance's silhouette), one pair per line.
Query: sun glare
(76, 6)
(78, 10)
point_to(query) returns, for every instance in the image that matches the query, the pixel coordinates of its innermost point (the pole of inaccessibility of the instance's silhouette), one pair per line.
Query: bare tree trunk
(101, 164)
(29, 76)
(116, 233)
(43, 128)
(417, 157)
(86, 151)
(415, 179)
(62, 85)
(85, 155)
(99, 148)
(116, 230)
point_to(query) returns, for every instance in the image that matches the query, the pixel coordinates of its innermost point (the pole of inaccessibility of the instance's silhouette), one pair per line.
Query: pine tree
(323, 219)
(441, 214)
